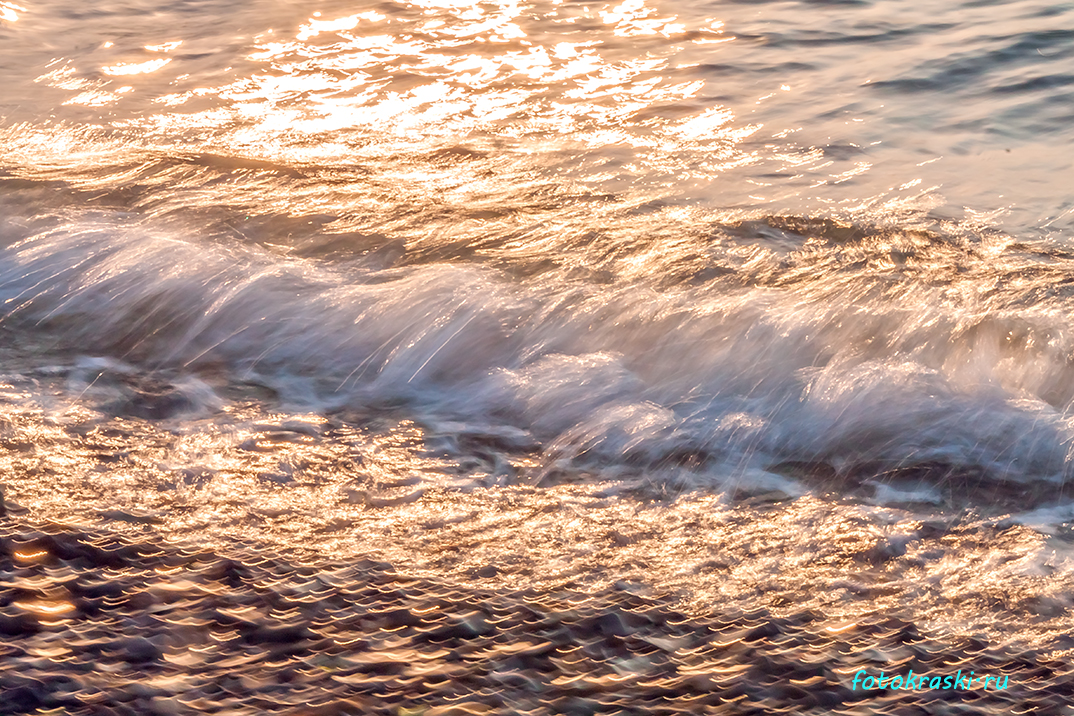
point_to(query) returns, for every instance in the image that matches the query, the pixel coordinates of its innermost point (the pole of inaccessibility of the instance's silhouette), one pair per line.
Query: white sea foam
(596, 373)
(605, 236)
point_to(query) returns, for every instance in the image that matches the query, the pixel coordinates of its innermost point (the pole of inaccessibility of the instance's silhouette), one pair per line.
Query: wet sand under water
(96, 624)
(133, 456)
(243, 557)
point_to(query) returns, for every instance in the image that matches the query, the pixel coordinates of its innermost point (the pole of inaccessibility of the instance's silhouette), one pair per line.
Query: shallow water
(731, 300)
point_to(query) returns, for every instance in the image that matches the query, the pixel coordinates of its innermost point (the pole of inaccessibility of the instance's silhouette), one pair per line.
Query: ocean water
(755, 303)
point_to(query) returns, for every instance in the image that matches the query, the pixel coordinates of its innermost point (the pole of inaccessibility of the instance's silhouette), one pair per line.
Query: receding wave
(810, 346)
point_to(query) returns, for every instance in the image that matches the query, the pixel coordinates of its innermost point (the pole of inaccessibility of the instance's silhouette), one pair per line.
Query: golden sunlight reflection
(464, 70)
(618, 107)
(45, 608)
(136, 68)
(633, 18)
(90, 92)
(9, 11)
(316, 27)
(164, 46)
(30, 556)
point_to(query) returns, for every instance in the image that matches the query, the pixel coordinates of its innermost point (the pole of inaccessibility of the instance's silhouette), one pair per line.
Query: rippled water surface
(732, 300)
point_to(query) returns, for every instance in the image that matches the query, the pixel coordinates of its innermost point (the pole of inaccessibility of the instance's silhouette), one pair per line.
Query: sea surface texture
(752, 304)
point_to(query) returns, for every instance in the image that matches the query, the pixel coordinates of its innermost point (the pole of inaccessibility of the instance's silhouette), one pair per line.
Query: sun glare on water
(9, 11)
(477, 71)
(135, 68)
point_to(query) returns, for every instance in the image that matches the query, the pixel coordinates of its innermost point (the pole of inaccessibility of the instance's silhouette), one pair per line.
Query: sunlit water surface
(761, 303)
